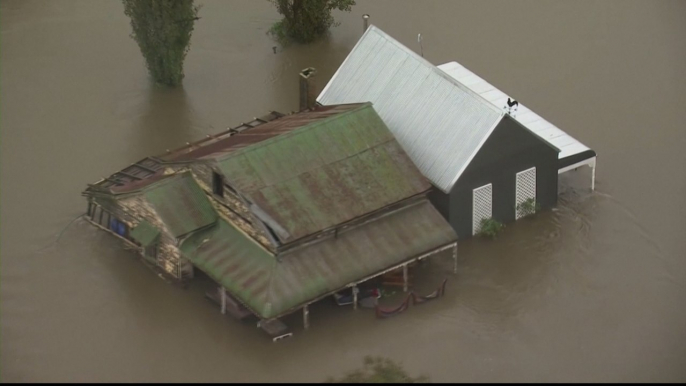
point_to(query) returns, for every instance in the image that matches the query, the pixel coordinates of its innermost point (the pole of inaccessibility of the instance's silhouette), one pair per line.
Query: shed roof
(324, 173)
(271, 287)
(439, 122)
(180, 203)
(547, 131)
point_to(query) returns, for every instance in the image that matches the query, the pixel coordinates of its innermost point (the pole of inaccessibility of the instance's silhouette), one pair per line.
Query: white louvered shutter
(482, 206)
(526, 188)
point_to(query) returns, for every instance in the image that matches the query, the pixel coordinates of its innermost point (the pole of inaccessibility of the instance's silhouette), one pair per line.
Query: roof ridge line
(479, 76)
(434, 68)
(163, 179)
(294, 132)
(167, 179)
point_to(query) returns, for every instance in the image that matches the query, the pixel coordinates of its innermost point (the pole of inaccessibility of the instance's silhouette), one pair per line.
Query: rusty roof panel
(132, 177)
(272, 287)
(326, 173)
(183, 153)
(257, 133)
(140, 184)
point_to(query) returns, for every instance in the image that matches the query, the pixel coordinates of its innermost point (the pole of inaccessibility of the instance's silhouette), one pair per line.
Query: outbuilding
(486, 159)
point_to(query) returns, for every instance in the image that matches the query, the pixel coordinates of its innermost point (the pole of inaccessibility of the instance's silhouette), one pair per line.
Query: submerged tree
(379, 370)
(306, 20)
(163, 30)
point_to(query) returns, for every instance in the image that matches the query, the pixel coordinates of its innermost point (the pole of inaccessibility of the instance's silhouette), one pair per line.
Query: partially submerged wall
(131, 211)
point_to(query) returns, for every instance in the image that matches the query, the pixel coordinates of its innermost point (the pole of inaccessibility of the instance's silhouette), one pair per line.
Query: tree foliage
(491, 227)
(306, 20)
(528, 207)
(379, 370)
(162, 29)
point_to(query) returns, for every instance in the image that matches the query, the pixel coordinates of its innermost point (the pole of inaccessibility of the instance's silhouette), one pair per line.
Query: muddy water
(594, 291)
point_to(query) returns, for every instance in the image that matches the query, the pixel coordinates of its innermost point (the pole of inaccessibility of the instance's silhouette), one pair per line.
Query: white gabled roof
(440, 123)
(567, 144)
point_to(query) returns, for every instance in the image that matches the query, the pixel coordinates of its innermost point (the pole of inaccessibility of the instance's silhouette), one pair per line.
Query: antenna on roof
(419, 40)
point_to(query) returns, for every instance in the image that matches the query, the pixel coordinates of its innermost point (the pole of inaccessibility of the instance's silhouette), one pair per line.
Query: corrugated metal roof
(181, 204)
(132, 177)
(191, 150)
(566, 143)
(325, 173)
(133, 186)
(272, 287)
(234, 260)
(282, 125)
(440, 123)
(145, 233)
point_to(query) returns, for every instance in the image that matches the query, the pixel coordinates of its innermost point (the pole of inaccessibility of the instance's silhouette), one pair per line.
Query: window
(525, 190)
(482, 206)
(217, 184)
(114, 225)
(119, 227)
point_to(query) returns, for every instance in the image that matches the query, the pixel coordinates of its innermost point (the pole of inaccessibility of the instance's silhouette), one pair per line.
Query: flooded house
(154, 215)
(279, 212)
(486, 155)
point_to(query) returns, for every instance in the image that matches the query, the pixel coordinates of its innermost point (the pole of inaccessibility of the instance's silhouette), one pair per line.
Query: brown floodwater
(593, 291)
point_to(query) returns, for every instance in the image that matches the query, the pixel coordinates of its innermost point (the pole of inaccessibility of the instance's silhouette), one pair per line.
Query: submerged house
(483, 159)
(280, 212)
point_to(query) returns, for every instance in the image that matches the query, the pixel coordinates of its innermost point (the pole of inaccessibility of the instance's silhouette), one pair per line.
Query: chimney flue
(308, 89)
(365, 22)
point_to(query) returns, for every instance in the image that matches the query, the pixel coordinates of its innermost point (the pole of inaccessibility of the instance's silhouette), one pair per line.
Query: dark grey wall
(441, 202)
(509, 150)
